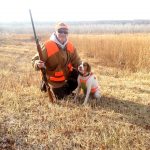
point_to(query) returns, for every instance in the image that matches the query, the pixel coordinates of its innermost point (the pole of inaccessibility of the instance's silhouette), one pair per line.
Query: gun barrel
(36, 39)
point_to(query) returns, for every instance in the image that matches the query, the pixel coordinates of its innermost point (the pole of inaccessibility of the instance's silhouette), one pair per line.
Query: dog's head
(84, 68)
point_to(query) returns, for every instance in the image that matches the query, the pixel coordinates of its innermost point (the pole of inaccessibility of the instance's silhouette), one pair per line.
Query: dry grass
(126, 51)
(120, 121)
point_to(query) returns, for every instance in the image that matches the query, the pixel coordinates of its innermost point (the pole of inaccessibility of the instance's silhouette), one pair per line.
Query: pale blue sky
(74, 10)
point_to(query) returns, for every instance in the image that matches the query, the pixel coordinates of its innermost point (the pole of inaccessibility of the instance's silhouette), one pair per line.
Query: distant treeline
(133, 22)
(81, 27)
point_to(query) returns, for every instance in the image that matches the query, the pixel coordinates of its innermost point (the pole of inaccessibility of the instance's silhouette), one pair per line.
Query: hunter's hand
(40, 64)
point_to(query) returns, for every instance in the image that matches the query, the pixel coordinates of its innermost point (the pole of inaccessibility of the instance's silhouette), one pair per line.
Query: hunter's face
(62, 35)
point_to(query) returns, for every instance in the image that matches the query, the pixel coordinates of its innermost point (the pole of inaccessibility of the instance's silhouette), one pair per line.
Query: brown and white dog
(87, 82)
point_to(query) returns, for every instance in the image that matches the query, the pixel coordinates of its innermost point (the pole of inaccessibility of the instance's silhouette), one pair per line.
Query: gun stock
(43, 70)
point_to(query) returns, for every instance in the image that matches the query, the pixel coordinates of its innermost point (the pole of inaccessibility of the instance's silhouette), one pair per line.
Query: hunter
(60, 60)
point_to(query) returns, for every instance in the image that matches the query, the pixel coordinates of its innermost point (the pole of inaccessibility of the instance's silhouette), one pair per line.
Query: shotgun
(51, 95)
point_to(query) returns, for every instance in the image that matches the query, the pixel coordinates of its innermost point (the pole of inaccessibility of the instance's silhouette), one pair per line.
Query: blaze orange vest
(52, 48)
(83, 85)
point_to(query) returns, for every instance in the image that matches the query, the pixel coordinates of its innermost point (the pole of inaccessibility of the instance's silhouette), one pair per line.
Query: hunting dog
(87, 82)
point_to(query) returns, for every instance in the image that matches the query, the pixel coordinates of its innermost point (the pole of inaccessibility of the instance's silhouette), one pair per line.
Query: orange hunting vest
(83, 85)
(52, 48)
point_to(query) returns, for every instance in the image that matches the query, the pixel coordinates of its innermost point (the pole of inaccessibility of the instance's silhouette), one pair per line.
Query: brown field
(121, 121)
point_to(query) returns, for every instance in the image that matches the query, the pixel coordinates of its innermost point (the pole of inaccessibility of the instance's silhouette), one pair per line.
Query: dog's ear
(88, 67)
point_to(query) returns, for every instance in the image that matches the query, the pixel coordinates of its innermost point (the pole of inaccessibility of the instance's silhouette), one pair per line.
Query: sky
(73, 10)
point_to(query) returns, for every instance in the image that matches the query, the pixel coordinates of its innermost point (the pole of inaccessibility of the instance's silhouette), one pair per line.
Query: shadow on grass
(12, 139)
(137, 114)
(6, 140)
(134, 113)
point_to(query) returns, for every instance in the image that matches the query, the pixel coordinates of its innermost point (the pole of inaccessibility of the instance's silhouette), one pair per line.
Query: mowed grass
(120, 121)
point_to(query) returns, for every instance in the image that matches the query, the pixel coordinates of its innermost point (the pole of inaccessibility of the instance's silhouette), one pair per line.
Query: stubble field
(121, 121)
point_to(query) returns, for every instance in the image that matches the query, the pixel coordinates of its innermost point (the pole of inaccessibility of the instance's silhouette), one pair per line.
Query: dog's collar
(84, 75)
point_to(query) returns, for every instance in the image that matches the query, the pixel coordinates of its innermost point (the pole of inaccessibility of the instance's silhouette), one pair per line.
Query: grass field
(121, 121)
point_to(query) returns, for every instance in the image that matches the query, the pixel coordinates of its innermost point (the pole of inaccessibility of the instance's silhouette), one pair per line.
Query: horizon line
(76, 21)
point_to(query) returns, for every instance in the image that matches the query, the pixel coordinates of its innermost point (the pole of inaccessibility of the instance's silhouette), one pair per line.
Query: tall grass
(126, 51)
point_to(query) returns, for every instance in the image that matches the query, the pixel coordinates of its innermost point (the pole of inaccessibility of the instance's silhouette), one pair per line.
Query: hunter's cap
(61, 25)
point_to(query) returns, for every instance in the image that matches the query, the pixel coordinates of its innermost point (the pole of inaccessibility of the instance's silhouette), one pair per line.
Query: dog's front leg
(87, 95)
(77, 93)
